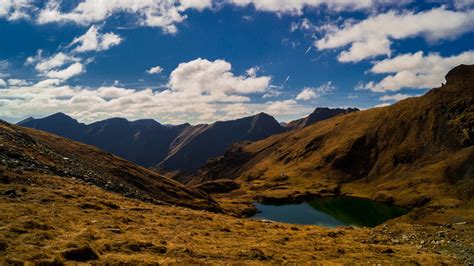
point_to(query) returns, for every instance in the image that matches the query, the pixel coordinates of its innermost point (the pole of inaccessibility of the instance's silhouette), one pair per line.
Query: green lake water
(331, 212)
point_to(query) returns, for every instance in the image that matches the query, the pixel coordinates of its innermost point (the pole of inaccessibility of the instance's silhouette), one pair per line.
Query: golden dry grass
(53, 215)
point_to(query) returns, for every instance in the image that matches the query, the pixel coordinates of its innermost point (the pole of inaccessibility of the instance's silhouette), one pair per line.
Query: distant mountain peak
(59, 115)
(26, 120)
(319, 114)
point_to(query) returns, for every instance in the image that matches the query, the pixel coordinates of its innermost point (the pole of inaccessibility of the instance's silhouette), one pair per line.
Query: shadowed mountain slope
(182, 148)
(197, 144)
(27, 154)
(413, 151)
(145, 142)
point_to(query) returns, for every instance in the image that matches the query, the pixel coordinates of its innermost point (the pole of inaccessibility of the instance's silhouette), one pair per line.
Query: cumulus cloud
(17, 82)
(155, 70)
(214, 78)
(163, 14)
(3, 83)
(252, 72)
(92, 40)
(198, 91)
(415, 70)
(281, 107)
(372, 37)
(309, 93)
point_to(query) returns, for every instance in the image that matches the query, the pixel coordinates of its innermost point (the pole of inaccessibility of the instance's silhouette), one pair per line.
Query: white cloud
(281, 107)
(164, 13)
(2, 83)
(14, 9)
(48, 83)
(272, 91)
(252, 72)
(309, 93)
(297, 6)
(53, 62)
(155, 70)
(196, 4)
(371, 37)
(415, 70)
(17, 82)
(200, 91)
(215, 78)
(92, 40)
(113, 92)
(67, 73)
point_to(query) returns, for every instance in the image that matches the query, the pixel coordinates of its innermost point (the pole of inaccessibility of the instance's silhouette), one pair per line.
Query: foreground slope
(26, 153)
(416, 151)
(52, 220)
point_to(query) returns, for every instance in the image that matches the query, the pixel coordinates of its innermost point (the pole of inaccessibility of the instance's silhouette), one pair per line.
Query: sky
(199, 61)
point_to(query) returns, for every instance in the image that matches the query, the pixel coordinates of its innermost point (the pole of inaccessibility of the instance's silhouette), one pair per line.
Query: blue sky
(217, 60)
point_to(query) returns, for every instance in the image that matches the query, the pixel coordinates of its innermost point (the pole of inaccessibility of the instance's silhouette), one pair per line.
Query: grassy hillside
(416, 151)
(25, 153)
(52, 220)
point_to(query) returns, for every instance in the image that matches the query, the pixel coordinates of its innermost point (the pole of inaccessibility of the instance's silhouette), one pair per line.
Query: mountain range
(172, 149)
(418, 150)
(64, 201)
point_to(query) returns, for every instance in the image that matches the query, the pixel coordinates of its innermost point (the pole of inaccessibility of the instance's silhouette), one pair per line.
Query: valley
(63, 201)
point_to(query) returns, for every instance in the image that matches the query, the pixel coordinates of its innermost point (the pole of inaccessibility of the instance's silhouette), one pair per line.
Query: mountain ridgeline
(169, 148)
(29, 156)
(411, 152)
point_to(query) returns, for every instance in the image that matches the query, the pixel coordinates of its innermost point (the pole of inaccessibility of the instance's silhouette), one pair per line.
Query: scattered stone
(90, 206)
(388, 251)
(115, 230)
(11, 193)
(85, 253)
(111, 205)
